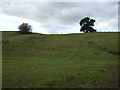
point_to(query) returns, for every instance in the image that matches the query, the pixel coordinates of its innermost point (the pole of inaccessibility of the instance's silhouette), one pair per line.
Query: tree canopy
(87, 25)
(25, 28)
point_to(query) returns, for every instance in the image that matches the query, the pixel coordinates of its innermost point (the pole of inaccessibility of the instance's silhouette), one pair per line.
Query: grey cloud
(67, 13)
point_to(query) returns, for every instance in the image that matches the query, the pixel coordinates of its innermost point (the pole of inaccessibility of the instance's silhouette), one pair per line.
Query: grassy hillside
(87, 60)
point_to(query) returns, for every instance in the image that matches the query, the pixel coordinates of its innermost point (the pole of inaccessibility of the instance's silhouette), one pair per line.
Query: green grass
(88, 60)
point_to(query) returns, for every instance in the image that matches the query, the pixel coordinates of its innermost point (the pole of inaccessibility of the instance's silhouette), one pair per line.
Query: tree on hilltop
(25, 28)
(87, 25)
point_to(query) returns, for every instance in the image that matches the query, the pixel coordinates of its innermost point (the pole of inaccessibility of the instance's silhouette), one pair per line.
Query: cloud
(8, 22)
(55, 17)
(61, 0)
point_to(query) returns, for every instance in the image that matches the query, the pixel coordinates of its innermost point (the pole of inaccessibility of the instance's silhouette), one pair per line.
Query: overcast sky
(58, 17)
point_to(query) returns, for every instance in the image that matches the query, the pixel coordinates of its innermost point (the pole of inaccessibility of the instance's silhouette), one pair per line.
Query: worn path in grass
(88, 60)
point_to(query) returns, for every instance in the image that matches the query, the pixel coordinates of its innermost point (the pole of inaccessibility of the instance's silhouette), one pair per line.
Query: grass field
(86, 60)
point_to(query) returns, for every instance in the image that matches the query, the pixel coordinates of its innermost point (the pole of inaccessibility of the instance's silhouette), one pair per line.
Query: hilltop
(60, 60)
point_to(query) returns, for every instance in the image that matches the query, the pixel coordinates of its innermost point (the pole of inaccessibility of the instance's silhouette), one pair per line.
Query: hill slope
(71, 60)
